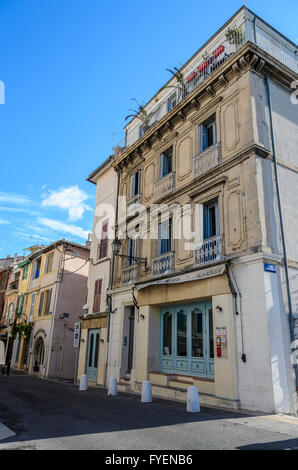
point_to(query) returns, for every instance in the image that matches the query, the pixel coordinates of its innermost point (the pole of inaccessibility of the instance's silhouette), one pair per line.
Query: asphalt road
(44, 414)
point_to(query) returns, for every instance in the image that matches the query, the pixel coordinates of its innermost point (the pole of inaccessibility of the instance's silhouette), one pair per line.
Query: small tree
(141, 114)
(181, 82)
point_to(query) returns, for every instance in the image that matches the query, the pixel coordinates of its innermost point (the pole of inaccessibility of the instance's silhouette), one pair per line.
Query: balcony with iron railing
(132, 204)
(207, 160)
(164, 186)
(211, 57)
(210, 252)
(129, 274)
(163, 264)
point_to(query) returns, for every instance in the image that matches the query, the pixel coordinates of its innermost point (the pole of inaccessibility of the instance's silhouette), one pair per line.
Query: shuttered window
(32, 306)
(49, 263)
(48, 302)
(40, 307)
(103, 246)
(97, 296)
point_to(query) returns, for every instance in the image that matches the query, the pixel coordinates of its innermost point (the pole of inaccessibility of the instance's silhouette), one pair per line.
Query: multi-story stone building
(212, 309)
(9, 285)
(94, 324)
(52, 290)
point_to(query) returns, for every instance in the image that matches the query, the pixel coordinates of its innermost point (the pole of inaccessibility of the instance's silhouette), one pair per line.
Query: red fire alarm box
(218, 346)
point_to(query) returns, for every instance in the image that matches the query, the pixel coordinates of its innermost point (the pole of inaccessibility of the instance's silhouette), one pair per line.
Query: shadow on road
(288, 444)
(35, 408)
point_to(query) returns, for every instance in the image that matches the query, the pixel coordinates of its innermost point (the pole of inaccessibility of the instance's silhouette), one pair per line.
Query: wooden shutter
(104, 240)
(97, 296)
(32, 306)
(40, 304)
(47, 309)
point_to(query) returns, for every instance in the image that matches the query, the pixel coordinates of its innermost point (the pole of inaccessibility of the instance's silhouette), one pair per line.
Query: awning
(211, 271)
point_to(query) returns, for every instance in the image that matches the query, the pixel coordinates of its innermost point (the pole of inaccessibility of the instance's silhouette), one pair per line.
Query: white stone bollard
(146, 392)
(193, 402)
(84, 382)
(112, 390)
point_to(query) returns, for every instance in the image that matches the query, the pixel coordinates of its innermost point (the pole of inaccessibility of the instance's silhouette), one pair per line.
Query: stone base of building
(174, 387)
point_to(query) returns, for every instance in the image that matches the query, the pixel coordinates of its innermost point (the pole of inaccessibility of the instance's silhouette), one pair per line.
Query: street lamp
(116, 246)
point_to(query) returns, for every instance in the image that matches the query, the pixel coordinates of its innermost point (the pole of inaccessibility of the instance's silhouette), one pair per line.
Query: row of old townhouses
(41, 298)
(192, 273)
(193, 277)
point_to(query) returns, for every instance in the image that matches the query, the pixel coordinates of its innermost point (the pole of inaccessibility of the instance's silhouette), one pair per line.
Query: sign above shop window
(193, 276)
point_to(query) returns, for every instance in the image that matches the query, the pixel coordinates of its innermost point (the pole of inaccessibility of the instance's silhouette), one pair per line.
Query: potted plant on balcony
(234, 35)
(142, 114)
(182, 85)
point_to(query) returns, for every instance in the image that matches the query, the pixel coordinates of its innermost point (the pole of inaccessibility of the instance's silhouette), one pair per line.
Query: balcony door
(187, 340)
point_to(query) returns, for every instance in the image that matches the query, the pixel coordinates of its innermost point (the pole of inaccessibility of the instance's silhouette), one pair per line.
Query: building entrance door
(92, 357)
(187, 340)
(131, 319)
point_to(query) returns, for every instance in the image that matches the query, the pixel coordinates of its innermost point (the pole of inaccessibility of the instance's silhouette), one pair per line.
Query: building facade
(199, 290)
(94, 323)
(9, 286)
(52, 291)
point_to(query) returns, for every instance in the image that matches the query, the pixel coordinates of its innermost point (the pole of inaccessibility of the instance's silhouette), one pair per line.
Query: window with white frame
(49, 263)
(165, 236)
(172, 101)
(207, 131)
(132, 250)
(135, 184)
(210, 219)
(166, 162)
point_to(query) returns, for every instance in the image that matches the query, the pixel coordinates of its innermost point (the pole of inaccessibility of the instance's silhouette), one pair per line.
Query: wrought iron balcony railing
(129, 275)
(210, 252)
(216, 52)
(164, 186)
(163, 264)
(207, 160)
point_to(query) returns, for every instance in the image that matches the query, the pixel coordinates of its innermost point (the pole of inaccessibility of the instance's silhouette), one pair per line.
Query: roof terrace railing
(213, 56)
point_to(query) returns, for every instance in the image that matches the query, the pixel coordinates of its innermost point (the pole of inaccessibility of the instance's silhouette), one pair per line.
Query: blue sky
(70, 69)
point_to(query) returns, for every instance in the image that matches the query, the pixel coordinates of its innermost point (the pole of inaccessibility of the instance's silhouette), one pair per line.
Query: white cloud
(14, 198)
(64, 228)
(71, 199)
(2, 222)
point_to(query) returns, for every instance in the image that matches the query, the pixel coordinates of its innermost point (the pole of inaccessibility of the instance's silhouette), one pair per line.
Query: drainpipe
(109, 297)
(291, 319)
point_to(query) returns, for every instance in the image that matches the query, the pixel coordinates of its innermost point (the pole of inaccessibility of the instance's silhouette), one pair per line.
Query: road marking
(5, 432)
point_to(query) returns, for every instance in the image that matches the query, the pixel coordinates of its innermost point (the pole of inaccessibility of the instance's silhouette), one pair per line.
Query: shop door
(187, 340)
(92, 358)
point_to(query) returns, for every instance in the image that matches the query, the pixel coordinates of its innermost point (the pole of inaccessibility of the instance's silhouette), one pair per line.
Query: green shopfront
(187, 345)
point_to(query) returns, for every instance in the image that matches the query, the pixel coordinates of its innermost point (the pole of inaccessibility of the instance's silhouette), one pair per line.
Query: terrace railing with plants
(229, 42)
